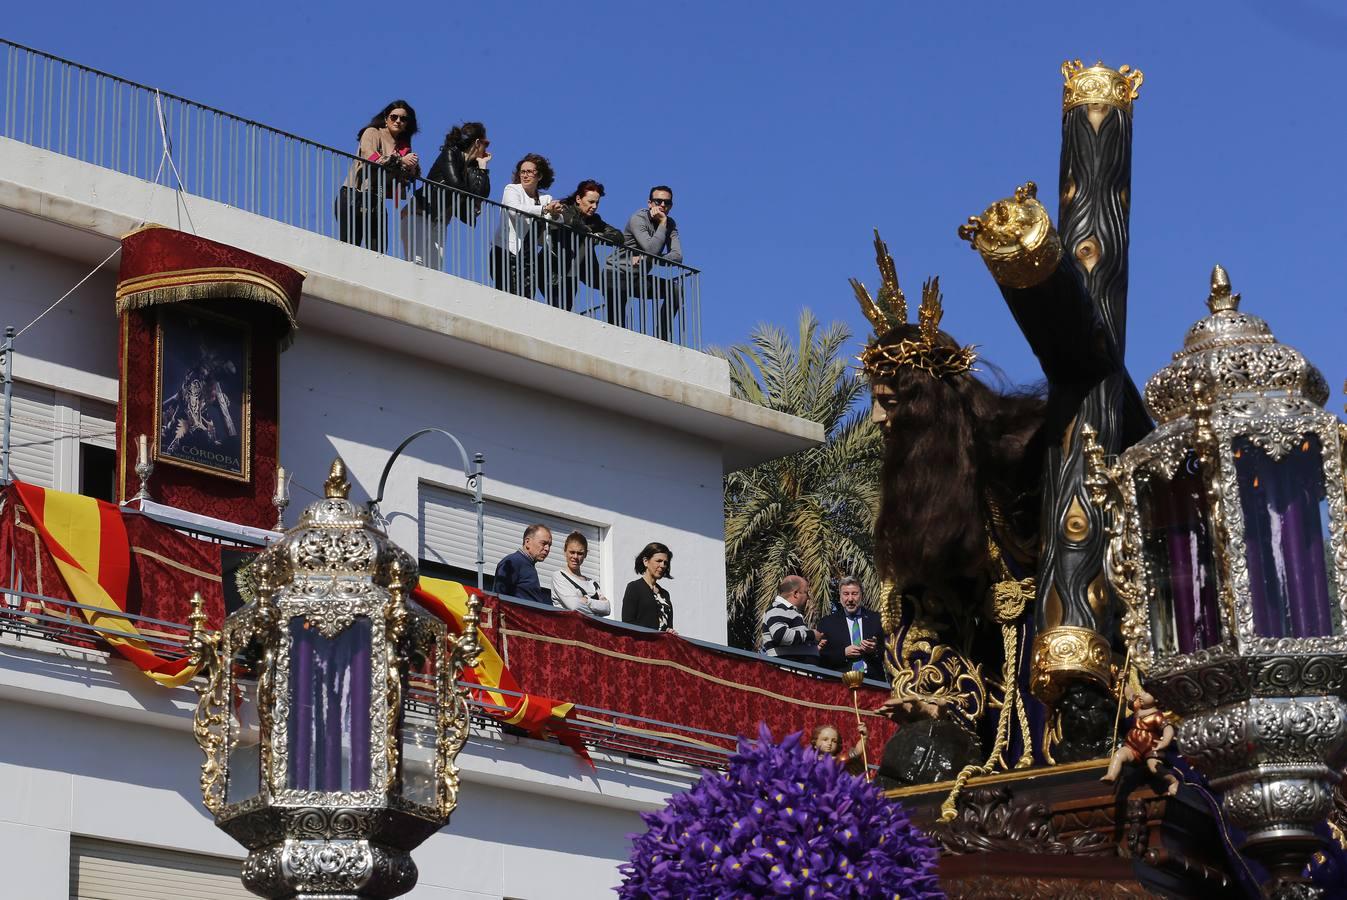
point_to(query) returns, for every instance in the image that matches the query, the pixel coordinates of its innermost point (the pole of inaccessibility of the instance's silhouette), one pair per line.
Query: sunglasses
(659, 201)
(394, 117)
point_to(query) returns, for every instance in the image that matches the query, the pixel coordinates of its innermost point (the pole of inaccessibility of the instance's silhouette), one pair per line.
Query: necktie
(855, 625)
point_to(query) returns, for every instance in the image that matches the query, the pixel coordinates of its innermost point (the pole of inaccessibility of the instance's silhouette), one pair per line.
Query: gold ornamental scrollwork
(1015, 239)
(210, 719)
(1099, 84)
(1066, 653)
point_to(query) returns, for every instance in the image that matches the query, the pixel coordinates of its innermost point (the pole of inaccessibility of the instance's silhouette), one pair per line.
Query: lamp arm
(475, 479)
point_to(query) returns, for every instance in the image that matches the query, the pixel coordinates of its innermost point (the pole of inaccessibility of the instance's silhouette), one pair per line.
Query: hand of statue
(865, 732)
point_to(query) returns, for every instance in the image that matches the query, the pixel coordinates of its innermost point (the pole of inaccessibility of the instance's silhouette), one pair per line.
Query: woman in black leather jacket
(462, 165)
(572, 248)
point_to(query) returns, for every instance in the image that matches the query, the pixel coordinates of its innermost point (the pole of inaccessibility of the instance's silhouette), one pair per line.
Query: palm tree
(811, 513)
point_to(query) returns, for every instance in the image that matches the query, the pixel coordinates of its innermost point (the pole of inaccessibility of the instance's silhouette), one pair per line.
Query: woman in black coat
(461, 165)
(574, 261)
(645, 602)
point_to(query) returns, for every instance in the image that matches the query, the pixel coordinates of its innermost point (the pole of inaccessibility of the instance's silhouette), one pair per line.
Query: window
(448, 540)
(110, 870)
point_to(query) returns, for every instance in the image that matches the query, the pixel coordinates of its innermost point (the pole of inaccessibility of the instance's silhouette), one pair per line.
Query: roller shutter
(107, 870)
(98, 423)
(33, 434)
(449, 534)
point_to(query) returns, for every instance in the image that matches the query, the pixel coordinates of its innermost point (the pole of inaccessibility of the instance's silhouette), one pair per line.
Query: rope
(949, 810)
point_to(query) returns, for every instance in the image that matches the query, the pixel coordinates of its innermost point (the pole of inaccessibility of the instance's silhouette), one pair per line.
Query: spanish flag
(448, 601)
(87, 540)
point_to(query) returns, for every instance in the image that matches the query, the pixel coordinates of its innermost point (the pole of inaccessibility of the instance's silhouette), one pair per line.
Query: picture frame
(203, 392)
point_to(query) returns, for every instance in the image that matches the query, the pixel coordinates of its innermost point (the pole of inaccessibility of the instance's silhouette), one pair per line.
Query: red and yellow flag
(87, 540)
(448, 601)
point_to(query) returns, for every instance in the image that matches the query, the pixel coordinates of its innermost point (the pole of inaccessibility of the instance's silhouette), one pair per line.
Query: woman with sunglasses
(520, 234)
(386, 163)
(462, 167)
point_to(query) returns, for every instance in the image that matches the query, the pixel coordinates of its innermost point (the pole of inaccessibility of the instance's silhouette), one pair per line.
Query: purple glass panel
(1284, 521)
(1176, 539)
(329, 726)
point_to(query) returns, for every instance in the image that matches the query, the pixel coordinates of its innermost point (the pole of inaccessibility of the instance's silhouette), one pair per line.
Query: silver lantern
(329, 719)
(1229, 549)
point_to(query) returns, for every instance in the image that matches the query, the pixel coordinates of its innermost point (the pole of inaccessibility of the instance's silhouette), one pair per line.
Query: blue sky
(789, 131)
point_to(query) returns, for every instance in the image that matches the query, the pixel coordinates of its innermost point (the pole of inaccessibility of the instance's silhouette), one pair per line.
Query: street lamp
(1228, 545)
(330, 719)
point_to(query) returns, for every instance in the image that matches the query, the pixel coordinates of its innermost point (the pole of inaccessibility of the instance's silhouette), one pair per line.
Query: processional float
(1204, 568)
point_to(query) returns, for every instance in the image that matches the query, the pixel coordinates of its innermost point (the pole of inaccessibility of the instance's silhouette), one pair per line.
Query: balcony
(98, 118)
(638, 694)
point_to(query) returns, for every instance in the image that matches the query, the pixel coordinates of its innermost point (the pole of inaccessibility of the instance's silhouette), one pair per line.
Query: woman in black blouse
(645, 602)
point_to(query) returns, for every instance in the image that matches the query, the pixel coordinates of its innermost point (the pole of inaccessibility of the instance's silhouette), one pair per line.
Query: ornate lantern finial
(337, 486)
(1221, 299)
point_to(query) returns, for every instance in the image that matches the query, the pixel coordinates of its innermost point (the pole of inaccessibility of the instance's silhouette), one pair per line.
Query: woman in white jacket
(520, 234)
(573, 590)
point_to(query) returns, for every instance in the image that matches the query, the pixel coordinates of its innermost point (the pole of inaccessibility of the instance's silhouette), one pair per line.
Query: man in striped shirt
(784, 632)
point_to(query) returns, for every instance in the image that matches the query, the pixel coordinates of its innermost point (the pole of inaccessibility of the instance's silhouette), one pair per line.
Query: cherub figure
(1150, 734)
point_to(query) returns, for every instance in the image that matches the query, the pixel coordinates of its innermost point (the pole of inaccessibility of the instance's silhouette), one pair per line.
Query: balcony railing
(77, 111)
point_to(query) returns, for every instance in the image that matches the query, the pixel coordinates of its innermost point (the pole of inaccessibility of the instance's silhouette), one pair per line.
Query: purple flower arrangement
(784, 821)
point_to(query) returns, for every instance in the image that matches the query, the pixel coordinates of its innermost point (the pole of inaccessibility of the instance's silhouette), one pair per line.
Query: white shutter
(33, 434)
(98, 423)
(107, 870)
(449, 534)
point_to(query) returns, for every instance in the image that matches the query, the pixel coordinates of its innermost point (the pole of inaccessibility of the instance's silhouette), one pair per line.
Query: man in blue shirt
(517, 574)
(854, 635)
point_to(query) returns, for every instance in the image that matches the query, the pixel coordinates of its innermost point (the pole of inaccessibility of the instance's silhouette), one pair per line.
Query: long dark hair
(378, 120)
(463, 135)
(584, 187)
(954, 447)
(545, 173)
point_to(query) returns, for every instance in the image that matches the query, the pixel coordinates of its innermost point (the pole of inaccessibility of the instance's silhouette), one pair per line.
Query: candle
(281, 492)
(143, 448)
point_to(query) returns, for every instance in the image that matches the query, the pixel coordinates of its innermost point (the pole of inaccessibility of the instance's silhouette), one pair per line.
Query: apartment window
(111, 870)
(448, 540)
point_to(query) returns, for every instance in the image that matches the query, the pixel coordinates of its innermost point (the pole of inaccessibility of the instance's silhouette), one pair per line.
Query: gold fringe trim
(206, 284)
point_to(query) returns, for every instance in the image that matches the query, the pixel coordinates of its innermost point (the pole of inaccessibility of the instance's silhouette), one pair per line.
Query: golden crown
(1099, 84)
(883, 360)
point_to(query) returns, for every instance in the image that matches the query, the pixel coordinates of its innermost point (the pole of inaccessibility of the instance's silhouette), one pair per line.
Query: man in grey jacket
(654, 233)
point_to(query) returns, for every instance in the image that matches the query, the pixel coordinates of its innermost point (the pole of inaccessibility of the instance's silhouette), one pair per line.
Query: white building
(583, 424)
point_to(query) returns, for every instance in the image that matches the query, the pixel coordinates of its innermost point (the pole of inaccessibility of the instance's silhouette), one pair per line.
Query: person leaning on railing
(574, 261)
(654, 233)
(520, 234)
(571, 588)
(461, 165)
(386, 163)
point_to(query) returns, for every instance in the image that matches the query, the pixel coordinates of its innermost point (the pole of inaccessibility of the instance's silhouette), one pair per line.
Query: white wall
(91, 747)
(578, 460)
(573, 459)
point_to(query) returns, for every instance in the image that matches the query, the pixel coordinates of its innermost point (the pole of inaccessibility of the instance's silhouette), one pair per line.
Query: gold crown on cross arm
(1098, 83)
(882, 360)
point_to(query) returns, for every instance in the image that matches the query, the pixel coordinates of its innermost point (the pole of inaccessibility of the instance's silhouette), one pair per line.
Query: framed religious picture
(202, 392)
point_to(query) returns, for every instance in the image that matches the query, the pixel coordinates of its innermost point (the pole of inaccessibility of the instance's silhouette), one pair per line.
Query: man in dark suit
(854, 635)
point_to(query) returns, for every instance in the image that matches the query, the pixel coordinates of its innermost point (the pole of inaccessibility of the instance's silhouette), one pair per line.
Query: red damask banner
(600, 664)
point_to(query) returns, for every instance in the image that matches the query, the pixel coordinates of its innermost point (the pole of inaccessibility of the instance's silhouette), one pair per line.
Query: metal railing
(71, 109)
